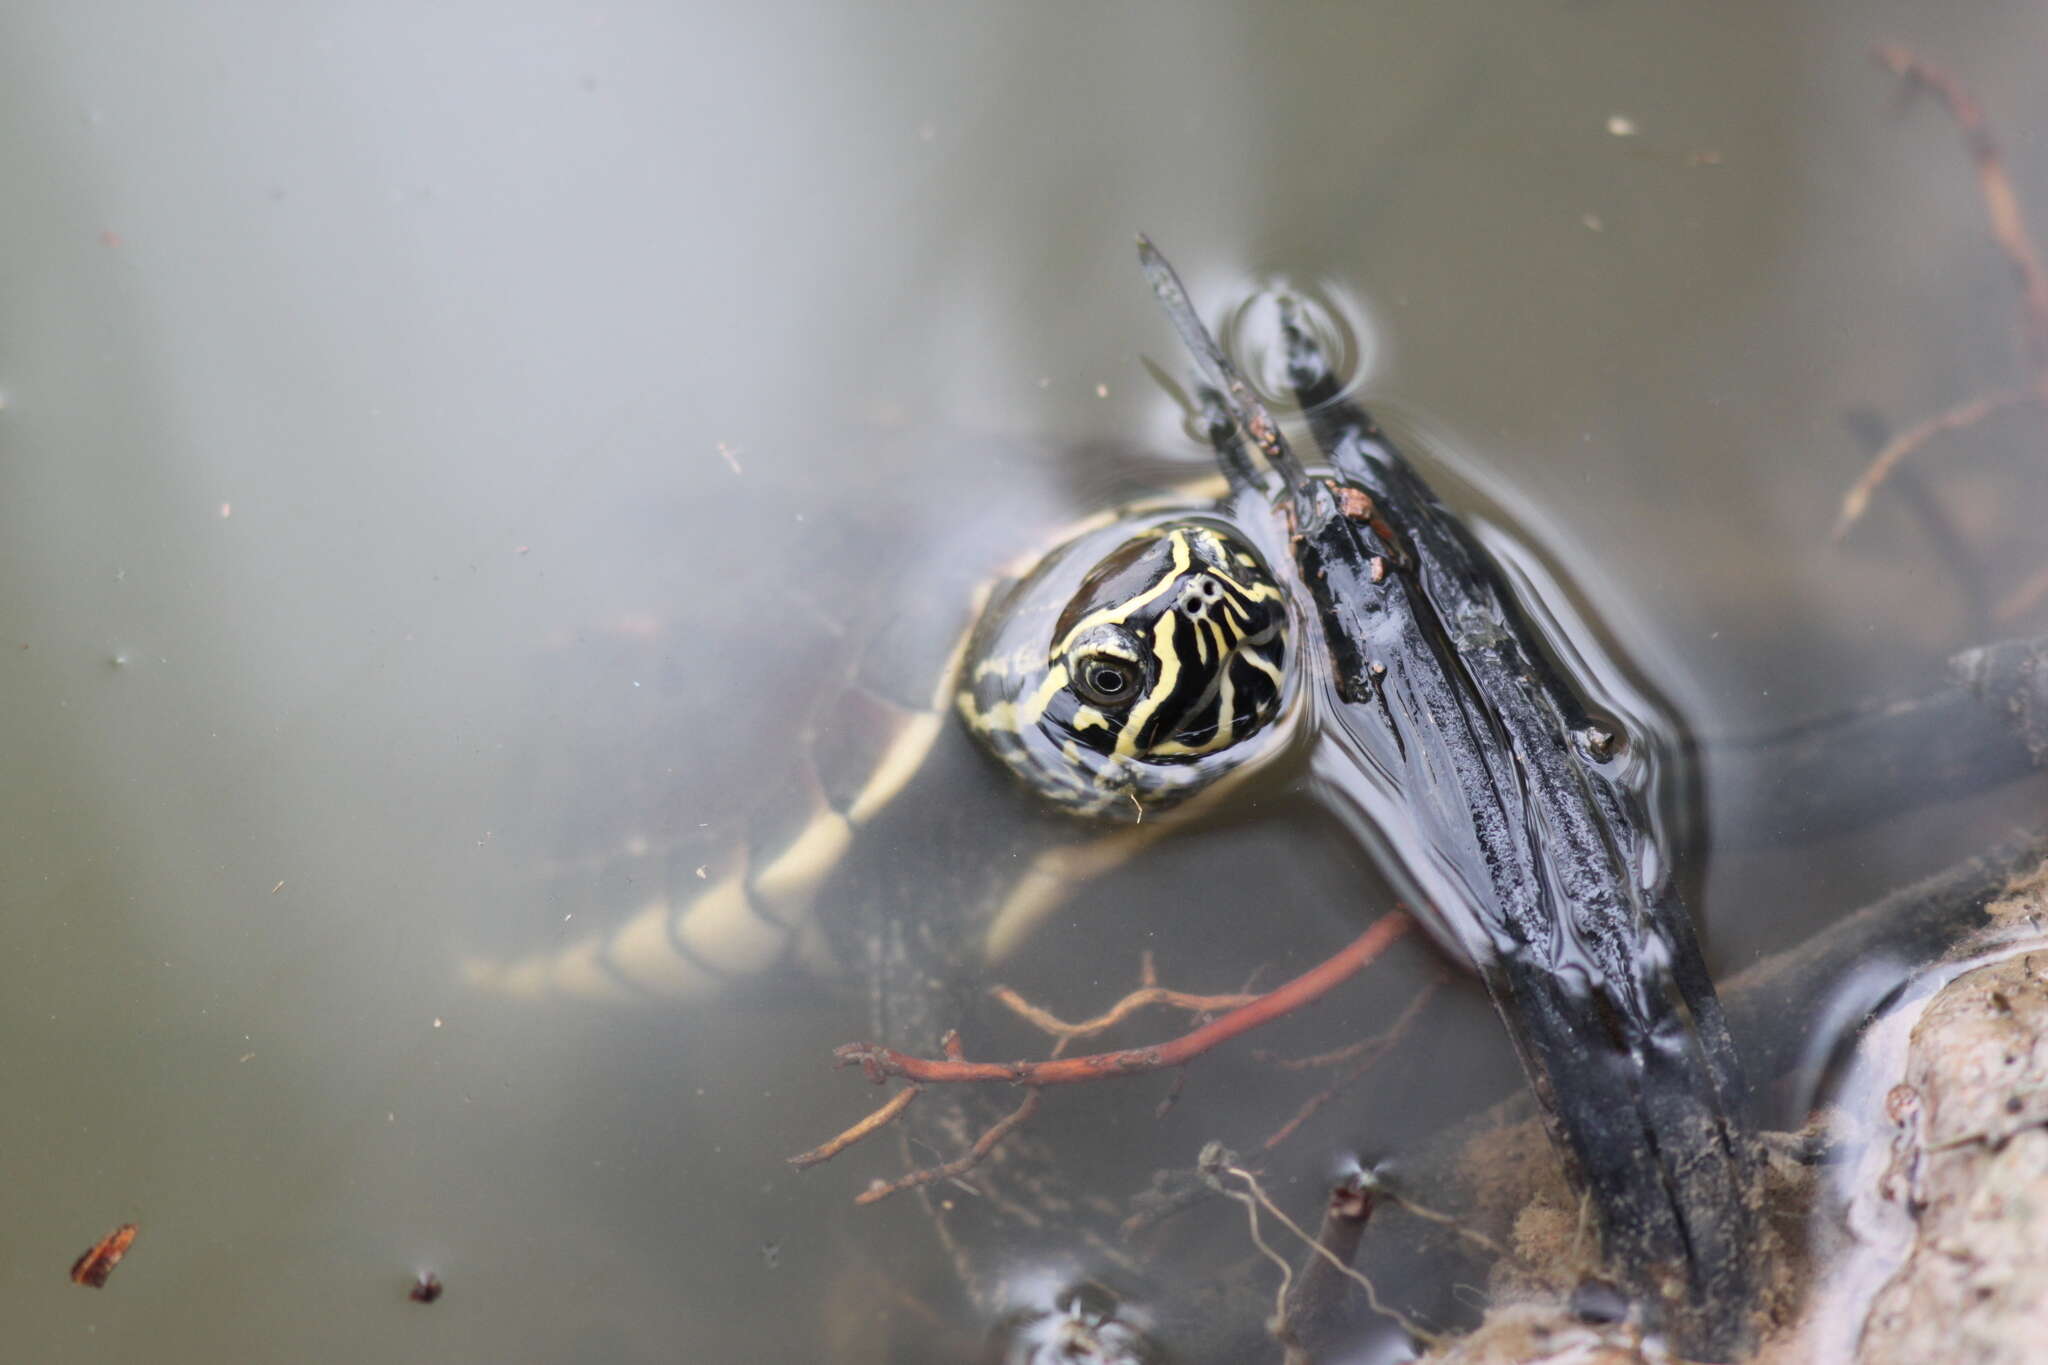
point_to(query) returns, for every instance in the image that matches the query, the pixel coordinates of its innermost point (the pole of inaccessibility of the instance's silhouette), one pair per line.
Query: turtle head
(1132, 667)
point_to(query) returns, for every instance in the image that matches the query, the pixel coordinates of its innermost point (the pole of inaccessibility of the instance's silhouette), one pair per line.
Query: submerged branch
(2014, 239)
(880, 1063)
(880, 1118)
(960, 1165)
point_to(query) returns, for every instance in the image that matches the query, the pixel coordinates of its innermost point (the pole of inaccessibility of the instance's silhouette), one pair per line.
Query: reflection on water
(486, 434)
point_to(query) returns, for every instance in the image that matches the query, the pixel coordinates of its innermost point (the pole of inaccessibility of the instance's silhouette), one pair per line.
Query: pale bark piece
(1970, 1165)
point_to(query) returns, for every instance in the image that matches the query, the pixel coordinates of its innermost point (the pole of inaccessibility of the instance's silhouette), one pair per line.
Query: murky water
(443, 450)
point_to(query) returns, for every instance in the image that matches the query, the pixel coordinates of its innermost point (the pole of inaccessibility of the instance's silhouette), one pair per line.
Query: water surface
(441, 449)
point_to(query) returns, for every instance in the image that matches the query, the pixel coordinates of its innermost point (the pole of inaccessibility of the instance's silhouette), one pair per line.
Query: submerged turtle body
(1146, 664)
(1116, 676)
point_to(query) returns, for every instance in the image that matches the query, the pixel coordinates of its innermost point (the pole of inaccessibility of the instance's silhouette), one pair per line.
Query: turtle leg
(757, 915)
(1056, 874)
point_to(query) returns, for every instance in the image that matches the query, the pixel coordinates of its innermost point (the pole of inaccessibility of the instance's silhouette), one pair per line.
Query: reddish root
(879, 1062)
(2015, 241)
(1149, 992)
(1244, 1013)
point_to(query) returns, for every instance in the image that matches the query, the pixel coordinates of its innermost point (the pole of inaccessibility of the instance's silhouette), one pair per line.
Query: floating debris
(92, 1269)
(426, 1287)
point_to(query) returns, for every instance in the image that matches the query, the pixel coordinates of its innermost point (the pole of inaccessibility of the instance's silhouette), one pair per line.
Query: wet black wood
(1474, 765)
(1501, 768)
(1986, 726)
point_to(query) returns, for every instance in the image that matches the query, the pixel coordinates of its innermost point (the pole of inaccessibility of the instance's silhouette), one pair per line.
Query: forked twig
(1245, 1014)
(2014, 239)
(1149, 992)
(2001, 203)
(960, 1165)
(1363, 1056)
(1958, 418)
(880, 1118)
(880, 1063)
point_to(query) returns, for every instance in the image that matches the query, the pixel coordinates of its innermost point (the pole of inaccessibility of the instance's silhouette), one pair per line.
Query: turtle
(1336, 621)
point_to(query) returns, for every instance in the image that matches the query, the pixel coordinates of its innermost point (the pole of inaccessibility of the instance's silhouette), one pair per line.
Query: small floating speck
(426, 1287)
(1621, 125)
(1102, 390)
(1594, 222)
(227, 509)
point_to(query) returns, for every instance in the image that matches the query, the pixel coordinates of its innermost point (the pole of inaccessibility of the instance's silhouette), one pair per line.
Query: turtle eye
(1104, 679)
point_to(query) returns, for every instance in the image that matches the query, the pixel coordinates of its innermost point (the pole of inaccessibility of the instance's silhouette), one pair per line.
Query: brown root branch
(879, 1063)
(1149, 992)
(2015, 241)
(1363, 1056)
(2001, 203)
(1244, 1013)
(1961, 417)
(880, 1118)
(958, 1166)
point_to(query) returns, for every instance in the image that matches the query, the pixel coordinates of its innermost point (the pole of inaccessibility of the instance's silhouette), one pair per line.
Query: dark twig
(1315, 1305)
(1227, 385)
(1172, 1096)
